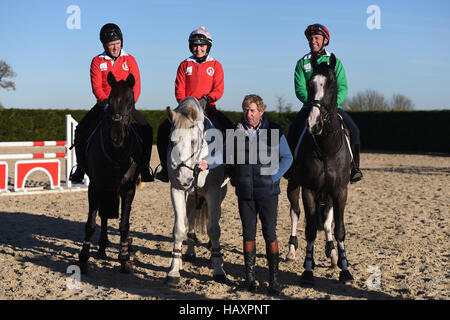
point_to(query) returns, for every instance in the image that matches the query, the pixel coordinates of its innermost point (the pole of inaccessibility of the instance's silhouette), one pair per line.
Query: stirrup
(160, 175)
(356, 175)
(77, 176)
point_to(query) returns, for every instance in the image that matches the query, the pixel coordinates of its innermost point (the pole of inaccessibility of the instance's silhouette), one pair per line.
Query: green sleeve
(300, 83)
(341, 82)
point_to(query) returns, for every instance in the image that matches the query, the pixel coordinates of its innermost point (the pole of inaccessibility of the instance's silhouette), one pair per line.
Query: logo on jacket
(189, 71)
(307, 67)
(210, 71)
(103, 66)
(125, 66)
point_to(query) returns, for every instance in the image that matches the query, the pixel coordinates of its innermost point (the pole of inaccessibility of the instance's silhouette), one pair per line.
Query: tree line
(368, 100)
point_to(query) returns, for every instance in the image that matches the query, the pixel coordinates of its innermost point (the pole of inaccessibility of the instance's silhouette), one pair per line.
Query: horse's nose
(187, 182)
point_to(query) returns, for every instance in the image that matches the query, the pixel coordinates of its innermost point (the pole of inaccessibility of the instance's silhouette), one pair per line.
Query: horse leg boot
(250, 261)
(273, 257)
(356, 174)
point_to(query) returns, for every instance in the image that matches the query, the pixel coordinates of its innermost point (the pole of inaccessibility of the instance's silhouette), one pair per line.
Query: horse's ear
(192, 114)
(170, 114)
(111, 79)
(332, 61)
(131, 80)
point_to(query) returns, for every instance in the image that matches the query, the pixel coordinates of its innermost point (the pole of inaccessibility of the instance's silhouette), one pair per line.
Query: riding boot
(250, 261)
(273, 256)
(162, 142)
(356, 173)
(146, 172)
(78, 175)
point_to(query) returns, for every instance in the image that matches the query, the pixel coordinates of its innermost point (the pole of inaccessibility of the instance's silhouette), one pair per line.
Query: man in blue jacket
(256, 178)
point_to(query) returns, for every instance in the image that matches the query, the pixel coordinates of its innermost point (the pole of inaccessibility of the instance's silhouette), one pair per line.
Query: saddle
(219, 120)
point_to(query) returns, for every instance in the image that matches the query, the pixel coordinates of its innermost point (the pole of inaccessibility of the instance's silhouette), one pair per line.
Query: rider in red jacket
(114, 59)
(199, 76)
(121, 67)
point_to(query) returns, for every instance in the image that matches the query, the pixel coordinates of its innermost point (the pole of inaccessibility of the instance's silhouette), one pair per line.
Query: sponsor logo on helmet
(125, 66)
(210, 71)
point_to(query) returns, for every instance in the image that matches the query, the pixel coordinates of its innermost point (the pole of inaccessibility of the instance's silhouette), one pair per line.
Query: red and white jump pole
(40, 161)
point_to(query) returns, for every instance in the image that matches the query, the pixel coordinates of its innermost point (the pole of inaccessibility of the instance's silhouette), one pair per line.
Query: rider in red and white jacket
(114, 59)
(200, 79)
(120, 67)
(199, 76)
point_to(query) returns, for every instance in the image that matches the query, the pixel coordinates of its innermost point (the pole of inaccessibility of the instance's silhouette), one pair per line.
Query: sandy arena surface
(397, 227)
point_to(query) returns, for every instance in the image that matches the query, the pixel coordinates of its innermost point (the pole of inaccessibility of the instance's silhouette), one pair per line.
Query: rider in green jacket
(318, 37)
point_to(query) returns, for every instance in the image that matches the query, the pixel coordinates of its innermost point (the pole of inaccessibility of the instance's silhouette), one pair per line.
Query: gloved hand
(203, 101)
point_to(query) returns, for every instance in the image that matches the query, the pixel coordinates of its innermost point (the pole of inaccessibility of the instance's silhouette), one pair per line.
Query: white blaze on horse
(196, 195)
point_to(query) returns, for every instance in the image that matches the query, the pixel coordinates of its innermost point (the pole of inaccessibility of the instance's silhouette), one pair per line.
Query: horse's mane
(190, 111)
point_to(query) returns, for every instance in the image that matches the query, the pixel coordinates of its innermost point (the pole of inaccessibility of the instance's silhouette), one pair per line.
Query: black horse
(114, 154)
(322, 170)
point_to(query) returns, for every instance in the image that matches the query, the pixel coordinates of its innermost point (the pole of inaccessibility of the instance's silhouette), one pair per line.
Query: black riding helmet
(110, 32)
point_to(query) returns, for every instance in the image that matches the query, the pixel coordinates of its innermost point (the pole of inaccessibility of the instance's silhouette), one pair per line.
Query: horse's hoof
(290, 258)
(345, 277)
(101, 254)
(172, 281)
(188, 257)
(126, 267)
(220, 278)
(307, 278)
(83, 268)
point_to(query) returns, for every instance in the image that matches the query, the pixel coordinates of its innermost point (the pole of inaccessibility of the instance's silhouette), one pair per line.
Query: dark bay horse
(114, 153)
(321, 170)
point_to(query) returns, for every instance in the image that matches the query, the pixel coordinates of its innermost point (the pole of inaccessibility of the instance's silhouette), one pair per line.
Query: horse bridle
(193, 156)
(325, 115)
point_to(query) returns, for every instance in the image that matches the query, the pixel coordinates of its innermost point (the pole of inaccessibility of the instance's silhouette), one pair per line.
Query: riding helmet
(200, 36)
(110, 32)
(317, 29)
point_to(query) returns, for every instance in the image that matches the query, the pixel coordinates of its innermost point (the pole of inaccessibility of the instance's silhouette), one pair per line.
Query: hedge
(410, 131)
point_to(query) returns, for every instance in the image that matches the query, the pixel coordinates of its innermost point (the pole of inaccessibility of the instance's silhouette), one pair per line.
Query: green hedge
(411, 131)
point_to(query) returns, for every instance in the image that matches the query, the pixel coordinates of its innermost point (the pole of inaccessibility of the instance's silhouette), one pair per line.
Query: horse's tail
(197, 213)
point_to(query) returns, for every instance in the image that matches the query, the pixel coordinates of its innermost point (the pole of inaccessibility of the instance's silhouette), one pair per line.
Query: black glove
(203, 101)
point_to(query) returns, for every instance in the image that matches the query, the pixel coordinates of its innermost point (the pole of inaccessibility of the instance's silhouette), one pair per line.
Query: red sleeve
(218, 85)
(134, 70)
(180, 82)
(96, 80)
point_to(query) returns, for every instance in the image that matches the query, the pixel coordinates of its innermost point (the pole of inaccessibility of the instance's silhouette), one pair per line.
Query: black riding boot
(162, 142)
(250, 261)
(78, 175)
(355, 174)
(273, 257)
(146, 172)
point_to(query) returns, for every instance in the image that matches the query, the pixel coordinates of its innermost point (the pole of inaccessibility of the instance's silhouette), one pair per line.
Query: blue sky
(257, 42)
